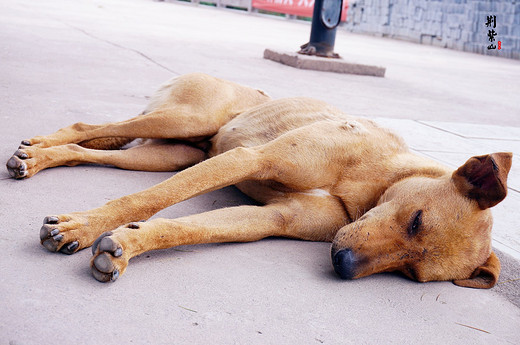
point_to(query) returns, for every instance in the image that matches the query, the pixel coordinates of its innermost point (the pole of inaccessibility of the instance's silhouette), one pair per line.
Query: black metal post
(325, 18)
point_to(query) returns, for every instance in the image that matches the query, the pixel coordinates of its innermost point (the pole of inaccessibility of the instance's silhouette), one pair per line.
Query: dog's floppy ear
(484, 277)
(484, 178)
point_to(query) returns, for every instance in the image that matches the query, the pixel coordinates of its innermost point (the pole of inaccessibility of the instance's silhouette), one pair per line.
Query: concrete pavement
(98, 61)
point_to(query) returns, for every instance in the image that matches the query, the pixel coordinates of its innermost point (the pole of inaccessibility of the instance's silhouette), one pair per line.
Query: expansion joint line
(120, 47)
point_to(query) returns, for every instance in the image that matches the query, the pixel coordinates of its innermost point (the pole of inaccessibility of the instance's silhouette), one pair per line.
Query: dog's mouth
(351, 265)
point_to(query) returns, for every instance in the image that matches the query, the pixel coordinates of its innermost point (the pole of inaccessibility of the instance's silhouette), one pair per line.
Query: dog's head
(430, 228)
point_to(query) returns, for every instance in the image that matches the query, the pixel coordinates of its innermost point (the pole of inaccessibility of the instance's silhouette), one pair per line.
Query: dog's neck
(361, 193)
(408, 164)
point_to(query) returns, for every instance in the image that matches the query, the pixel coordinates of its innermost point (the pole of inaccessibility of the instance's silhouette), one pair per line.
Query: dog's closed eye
(415, 223)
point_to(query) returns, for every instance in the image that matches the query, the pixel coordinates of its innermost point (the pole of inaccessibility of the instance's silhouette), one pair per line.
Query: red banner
(301, 8)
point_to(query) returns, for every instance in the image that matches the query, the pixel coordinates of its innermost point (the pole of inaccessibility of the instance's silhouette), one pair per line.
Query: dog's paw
(19, 165)
(66, 233)
(109, 259)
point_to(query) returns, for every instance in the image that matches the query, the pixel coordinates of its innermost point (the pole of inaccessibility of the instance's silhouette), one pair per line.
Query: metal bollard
(325, 18)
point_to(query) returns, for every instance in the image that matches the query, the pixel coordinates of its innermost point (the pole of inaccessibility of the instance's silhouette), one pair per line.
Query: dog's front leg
(296, 216)
(112, 250)
(71, 232)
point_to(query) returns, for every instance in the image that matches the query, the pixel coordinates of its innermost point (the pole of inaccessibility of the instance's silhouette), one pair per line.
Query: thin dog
(320, 175)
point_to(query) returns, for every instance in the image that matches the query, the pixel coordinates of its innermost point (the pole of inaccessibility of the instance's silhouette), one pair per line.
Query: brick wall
(455, 24)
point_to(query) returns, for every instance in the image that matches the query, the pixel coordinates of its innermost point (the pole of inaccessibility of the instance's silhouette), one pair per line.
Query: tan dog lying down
(321, 176)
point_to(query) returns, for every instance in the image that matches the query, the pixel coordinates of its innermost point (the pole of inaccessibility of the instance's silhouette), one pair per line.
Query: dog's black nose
(344, 263)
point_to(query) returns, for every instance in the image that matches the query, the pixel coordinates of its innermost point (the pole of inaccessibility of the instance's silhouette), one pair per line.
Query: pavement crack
(117, 45)
(440, 129)
(461, 135)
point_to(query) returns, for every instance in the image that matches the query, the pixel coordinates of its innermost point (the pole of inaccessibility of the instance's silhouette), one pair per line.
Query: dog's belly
(269, 121)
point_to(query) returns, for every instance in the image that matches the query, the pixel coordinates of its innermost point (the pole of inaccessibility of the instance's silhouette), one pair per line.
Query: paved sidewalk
(97, 61)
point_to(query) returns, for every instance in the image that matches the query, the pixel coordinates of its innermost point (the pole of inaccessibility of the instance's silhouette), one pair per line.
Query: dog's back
(272, 119)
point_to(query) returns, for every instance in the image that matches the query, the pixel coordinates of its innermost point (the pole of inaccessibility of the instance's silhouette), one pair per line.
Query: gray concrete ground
(98, 61)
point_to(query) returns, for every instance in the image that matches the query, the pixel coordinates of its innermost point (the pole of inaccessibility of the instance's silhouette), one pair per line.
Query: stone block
(439, 42)
(418, 15)
(484, 6)
(426, 39)
(505, 7)
(468, 36)
(323, 64)
(502, 19)
(468, 47)
(475, 26)
(516, 20)
(507, 42)
(438, 16)
(503, 29)
(423, 27)
(515, 30)
(455, 33)
(385, 30)
(453, 20)
(469, 14)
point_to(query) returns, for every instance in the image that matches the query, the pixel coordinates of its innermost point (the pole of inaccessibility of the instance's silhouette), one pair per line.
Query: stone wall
(455, 24)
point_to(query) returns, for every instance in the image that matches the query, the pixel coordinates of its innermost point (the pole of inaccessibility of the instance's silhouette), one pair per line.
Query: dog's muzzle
(344, 263)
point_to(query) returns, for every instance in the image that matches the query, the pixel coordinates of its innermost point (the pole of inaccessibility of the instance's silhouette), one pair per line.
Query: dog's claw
(115, 275)
(118, 252)
(57, 238)
(70, 248)
(20, 154)
(50, 220)
(26, 143)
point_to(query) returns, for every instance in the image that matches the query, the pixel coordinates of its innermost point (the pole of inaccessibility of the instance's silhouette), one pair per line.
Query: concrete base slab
(323, 64)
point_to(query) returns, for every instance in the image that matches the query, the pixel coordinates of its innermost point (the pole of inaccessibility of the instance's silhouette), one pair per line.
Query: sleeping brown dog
(320, 175)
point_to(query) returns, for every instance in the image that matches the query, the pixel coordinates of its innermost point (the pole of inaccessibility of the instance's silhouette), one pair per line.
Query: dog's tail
(106, 143)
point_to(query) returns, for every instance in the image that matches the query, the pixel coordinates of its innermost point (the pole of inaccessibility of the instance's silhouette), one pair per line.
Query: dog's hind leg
(182, 123)
(302, 217)
(176, 122)
(68, 145)
(153, 155)
(189, 106)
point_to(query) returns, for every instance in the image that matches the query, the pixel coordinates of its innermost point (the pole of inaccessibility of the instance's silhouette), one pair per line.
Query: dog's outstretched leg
(191, 107)
(65, 146)
(154, 155)
(71, 232)
(301, 216)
